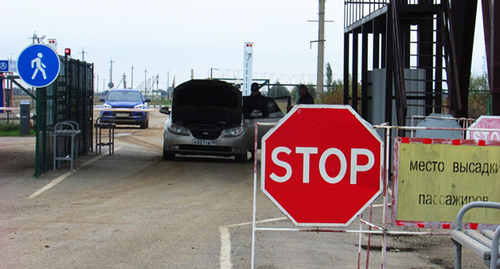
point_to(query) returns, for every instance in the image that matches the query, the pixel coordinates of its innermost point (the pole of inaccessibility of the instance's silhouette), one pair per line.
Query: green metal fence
(68, 98)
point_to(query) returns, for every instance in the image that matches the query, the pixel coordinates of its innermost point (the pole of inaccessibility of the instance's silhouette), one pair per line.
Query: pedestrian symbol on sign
(38, 65)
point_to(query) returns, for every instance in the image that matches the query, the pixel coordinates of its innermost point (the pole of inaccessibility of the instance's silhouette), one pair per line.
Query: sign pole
(386, 189)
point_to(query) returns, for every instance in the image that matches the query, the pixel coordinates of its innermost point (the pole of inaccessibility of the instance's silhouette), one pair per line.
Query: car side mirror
(102, 99)
(147, 100)
(165, 110)
(256, 114)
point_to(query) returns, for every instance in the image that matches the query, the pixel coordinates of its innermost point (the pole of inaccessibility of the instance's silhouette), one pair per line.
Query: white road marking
(61, 178)
(225, 248)
(122, 134)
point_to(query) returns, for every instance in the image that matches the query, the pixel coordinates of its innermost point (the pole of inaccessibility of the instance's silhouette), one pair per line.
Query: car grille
(206, 134)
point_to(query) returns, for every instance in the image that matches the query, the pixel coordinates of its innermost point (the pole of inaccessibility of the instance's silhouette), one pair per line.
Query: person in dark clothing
(255, 101)
(305, 96)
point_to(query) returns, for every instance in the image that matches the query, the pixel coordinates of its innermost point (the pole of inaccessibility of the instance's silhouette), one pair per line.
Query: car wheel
(241, 158)
(167, 156)
(143, 125)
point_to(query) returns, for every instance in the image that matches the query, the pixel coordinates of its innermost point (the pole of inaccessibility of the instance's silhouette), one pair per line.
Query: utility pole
(168, 79)
(37, 38)
(110, 84)
(167, 89)
(83, 54)
(34, 37)
(157, 86)
(124, 81)
(321, 46)
(132, 78)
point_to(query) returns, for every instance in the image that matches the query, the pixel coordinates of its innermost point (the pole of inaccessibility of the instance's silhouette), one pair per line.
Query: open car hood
(207, 97)
(207, 101)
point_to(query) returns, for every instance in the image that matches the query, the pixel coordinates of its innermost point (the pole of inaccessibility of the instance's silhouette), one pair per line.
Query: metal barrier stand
(104, 123)
(66, 130)
(484, 243)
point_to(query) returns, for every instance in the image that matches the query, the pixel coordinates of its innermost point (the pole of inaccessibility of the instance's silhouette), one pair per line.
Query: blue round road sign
(38, 65)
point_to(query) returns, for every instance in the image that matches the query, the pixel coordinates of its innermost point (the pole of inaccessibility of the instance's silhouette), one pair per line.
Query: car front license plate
(121, 115)
(205, 142)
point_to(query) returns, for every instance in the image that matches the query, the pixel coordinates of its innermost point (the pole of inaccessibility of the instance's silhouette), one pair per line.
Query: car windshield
(124, 96)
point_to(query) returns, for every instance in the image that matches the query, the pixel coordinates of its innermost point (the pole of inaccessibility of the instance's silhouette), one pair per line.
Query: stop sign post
(322, 165)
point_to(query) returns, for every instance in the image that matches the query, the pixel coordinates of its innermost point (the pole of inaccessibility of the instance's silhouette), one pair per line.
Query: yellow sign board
(436, 177)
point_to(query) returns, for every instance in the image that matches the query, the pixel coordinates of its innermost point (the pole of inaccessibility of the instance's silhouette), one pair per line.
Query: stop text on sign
(325, 155)
(485, 135)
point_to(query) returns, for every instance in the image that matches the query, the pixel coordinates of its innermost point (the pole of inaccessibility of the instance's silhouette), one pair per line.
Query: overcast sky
(171, 38)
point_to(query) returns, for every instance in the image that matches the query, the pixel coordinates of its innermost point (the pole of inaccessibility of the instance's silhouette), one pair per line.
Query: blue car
(126, 98)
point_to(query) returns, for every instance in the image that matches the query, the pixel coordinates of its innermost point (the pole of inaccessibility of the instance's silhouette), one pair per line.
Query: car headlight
(177, 129)
(141, 106)
(236, 131)
(106, 106)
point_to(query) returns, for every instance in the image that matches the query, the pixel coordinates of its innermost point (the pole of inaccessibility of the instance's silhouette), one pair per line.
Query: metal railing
(355, 11)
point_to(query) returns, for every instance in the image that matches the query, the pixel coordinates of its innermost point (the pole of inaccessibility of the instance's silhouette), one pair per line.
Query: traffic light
(67, 51)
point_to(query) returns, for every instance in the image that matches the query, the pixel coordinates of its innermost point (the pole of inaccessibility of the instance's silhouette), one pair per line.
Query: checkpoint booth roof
(322, 165)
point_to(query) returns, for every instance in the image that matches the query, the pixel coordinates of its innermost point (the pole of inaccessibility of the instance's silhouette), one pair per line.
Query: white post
(247, 68)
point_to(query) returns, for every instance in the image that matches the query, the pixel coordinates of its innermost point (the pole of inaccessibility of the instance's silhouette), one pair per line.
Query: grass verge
(12, 129)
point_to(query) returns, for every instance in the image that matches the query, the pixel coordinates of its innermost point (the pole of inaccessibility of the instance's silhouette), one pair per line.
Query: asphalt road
(134, 210)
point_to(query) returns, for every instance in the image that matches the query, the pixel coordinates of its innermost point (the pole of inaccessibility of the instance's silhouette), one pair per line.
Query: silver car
(206, 119)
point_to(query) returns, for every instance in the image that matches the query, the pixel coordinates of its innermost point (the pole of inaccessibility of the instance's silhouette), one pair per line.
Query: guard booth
(68, 98)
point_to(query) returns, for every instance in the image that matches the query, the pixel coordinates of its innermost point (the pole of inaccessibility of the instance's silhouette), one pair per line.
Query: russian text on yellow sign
(436, 180)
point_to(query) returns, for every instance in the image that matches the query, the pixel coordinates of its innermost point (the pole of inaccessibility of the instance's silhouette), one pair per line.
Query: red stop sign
(485, 122)
(322, 165)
